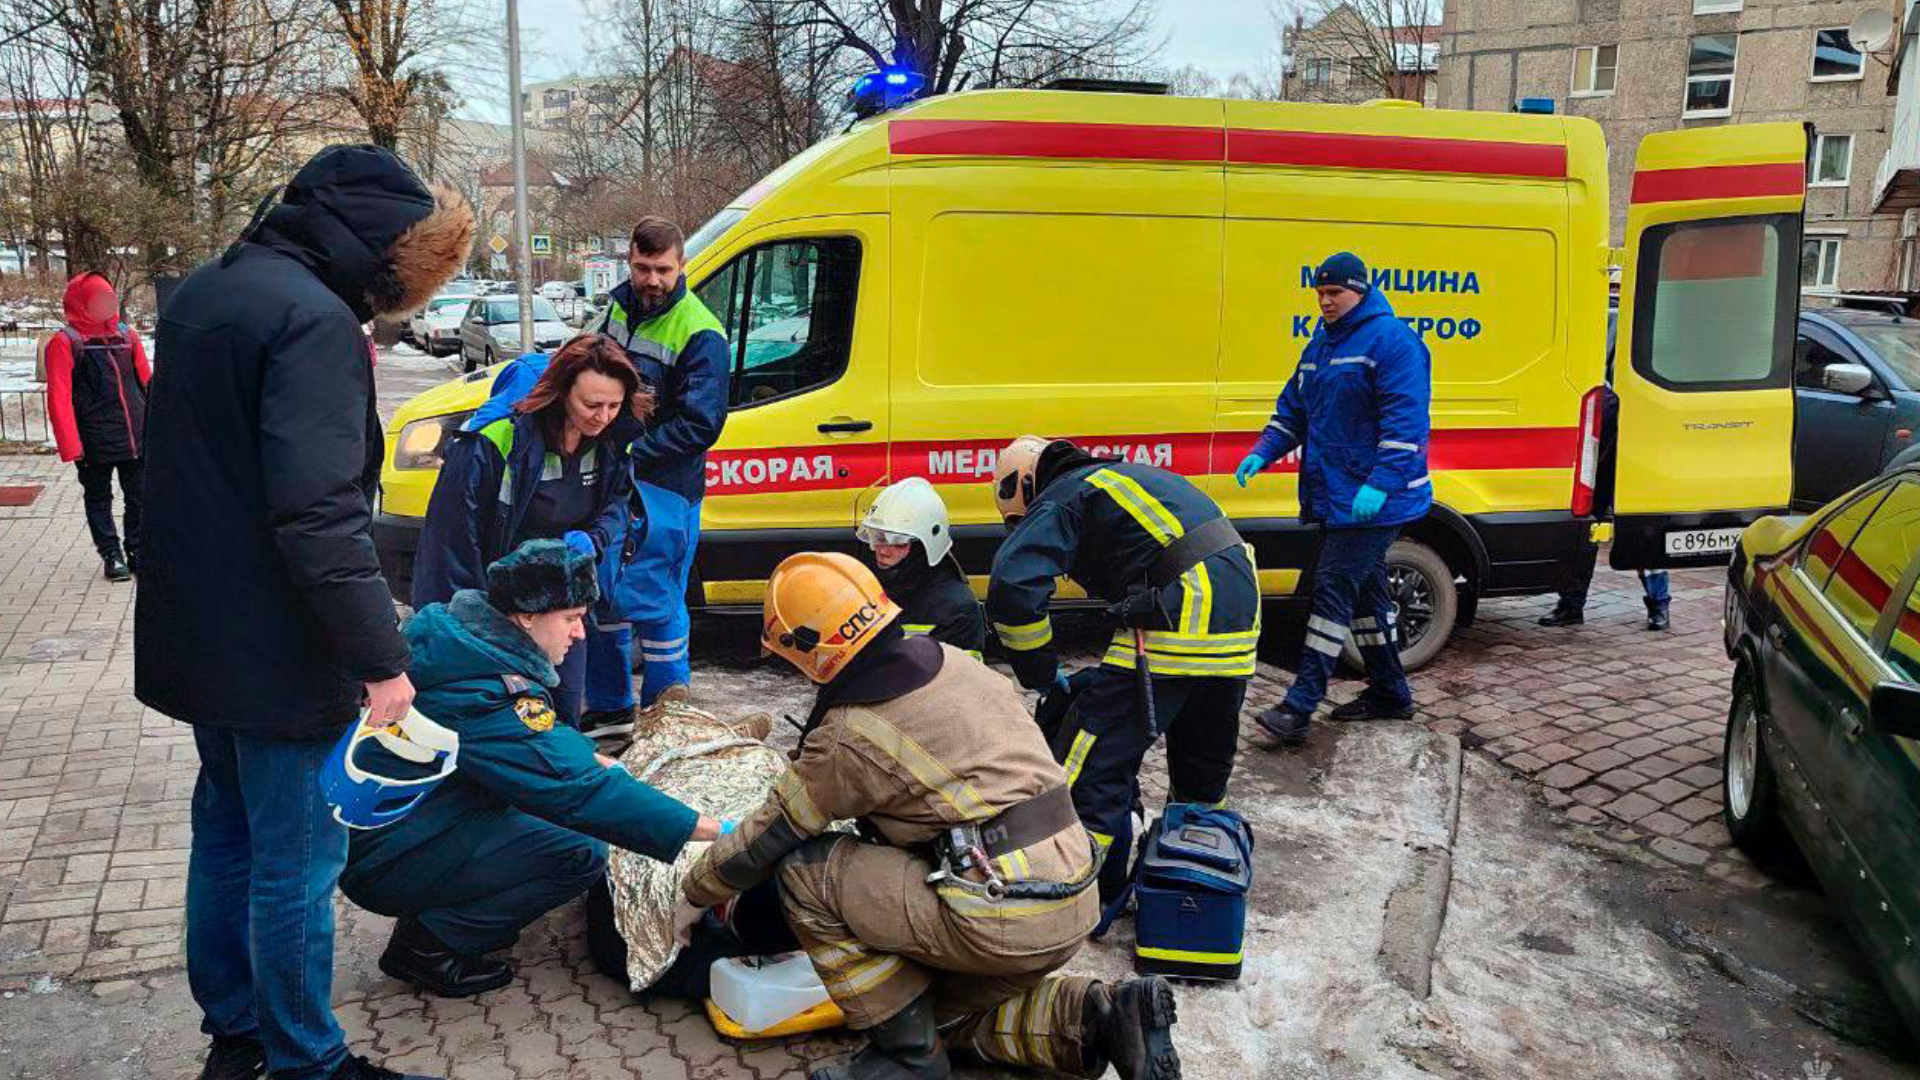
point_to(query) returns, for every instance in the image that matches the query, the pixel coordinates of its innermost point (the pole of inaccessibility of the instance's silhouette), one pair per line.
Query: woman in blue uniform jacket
(550, 469)
(522, 825)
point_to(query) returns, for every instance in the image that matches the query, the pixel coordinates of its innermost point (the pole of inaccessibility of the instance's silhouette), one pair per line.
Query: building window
(1832, 161)
(1819, 263)
(1834, 57)
(1716, 7)
(1317, 71)
(555, 99)
(600, 95)
(1594, 67)
(1710, 75)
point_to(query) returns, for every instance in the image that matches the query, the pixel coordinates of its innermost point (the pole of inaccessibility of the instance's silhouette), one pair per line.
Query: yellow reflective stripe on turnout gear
(1077, 755)
(862, 978)
(1196, 607)
(1189, 956)
(1025, 637)
(917, 628)
(1239, 662)
(798, 804)
(935, 777)
(1150, 512)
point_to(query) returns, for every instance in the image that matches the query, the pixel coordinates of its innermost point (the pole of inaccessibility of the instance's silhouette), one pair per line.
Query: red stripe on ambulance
(961, 461)
(1021, 138)
(1242, 146)
(1720, 182)
(795, 468)
(1400, 153)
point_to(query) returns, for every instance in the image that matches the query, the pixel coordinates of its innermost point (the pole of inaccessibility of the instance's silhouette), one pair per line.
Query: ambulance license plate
(1703, 541)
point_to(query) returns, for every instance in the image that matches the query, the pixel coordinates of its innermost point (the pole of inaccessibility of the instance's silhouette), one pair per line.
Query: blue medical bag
(1190, 884)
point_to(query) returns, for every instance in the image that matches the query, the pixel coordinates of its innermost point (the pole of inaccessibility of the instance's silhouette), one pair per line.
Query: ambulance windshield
(733, 212)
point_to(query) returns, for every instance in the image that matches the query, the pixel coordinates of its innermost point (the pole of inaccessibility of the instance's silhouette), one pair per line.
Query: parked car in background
(1856, 397)
(435, 328)
(1823, 731)
(558, 290)
(490, 330)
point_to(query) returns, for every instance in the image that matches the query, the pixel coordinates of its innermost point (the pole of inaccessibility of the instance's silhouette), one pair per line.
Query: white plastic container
(759, 997)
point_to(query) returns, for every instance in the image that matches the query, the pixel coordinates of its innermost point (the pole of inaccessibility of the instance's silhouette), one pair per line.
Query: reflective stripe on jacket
(1360, 404)
(482, 494)
(1105, 526)
(907, 768)
(681, 352)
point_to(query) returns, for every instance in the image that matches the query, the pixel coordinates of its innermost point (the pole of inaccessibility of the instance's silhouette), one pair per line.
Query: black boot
(1130, 1026)
(359, 1068)
(905, 1046)
(234, 1057)
(116, 564)
(1564, 613)
(1365, 707)
(1284, 724)
(607, 723)
(415, 956)
(1657, 615)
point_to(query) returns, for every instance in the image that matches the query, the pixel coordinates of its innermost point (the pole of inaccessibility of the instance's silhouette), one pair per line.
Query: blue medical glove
(1367, 503)
(727, 827)
(580, 542)
(1250, 467)
(1060, 682)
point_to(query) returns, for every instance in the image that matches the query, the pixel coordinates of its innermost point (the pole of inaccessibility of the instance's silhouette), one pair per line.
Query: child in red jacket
(97, 398)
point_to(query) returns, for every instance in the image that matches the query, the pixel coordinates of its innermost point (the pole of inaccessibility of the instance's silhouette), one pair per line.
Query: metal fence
(23, 417)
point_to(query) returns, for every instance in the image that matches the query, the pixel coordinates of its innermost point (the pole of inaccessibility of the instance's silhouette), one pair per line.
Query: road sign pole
(521, 227)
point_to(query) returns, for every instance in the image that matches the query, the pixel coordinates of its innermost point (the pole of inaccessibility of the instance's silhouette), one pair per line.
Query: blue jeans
(652, 591)
(266, 853)
(1350, 594)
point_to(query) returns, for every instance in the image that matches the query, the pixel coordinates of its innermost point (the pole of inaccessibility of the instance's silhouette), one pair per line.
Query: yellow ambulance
(1131, 271)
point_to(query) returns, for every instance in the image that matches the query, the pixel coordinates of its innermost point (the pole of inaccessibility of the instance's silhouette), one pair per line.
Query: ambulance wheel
(1428, 600)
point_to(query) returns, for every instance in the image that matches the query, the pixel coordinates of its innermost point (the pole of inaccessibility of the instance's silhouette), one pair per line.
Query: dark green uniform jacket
(477, 673)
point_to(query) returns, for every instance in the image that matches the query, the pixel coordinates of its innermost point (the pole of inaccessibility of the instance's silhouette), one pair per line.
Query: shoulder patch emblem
(534, 712)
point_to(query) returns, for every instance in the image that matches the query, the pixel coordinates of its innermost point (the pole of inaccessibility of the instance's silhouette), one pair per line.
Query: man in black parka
(262, 618)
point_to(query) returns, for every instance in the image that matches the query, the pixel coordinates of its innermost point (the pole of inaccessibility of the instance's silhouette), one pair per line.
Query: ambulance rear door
(1709, 297)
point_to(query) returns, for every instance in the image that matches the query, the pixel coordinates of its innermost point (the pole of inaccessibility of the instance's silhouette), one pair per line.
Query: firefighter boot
(905, 1046)
(1130, 1026)
(1657, 615)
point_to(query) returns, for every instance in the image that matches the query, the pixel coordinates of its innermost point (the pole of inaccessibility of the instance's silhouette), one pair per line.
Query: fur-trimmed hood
(381, 240)
(467, 638)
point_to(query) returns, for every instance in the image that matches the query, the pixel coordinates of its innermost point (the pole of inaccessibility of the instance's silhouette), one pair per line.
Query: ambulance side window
(788, 311)
(1715, 304)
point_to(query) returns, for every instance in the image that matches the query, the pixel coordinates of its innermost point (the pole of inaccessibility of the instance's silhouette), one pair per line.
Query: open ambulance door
(1709, 300)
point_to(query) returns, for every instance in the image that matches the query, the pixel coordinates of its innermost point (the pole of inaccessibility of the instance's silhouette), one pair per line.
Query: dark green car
(1823, 733)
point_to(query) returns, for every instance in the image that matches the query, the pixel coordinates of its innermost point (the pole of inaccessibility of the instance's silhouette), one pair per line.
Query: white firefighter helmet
(906, 511)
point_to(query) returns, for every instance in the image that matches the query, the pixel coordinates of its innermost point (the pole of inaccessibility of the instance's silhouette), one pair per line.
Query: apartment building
(1641, 66)
(1353, 53)
(553, 105)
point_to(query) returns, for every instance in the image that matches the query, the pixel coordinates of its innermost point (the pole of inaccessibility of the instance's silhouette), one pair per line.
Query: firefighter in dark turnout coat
(1184, 595)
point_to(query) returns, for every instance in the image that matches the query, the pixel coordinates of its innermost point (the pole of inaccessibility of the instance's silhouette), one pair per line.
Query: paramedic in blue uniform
(681, 352)
(551, 466)
(522, 825)
(1358, 408)
(1150, 543)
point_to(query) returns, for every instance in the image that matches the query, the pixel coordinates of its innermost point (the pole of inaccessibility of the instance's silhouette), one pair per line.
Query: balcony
(1896, 183)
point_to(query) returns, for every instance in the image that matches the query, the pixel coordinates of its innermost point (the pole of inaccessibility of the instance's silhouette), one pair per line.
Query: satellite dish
(1872, 31)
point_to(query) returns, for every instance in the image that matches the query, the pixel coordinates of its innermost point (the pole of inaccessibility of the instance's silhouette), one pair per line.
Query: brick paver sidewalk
(1620, 727)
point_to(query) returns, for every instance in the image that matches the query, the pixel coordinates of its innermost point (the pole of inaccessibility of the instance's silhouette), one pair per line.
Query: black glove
(1057, 700)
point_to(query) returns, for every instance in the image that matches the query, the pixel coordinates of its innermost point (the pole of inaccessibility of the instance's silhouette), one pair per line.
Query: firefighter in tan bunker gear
(943, 933)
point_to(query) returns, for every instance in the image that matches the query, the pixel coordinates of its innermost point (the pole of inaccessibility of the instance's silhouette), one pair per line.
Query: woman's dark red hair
(588, 352)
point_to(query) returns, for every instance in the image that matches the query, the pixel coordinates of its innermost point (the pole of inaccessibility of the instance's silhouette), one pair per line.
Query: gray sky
(1219, 36)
